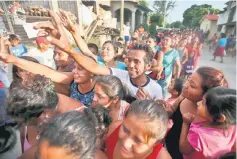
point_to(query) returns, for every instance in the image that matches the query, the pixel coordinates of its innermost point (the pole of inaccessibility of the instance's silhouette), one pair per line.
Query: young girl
(175, 89)
(216, 135)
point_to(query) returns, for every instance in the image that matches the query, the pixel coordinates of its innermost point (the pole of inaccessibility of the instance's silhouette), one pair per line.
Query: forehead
(196, 78)
(136, 54)
(107, 45)
(57, 50)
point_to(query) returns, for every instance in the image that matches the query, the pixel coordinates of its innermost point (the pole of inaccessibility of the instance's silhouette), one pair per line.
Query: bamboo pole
(121, 18)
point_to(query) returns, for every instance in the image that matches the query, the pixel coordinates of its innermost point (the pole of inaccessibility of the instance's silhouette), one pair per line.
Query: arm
(185, 56)
(170, 110)
(178, 68)
(68, 24)
(35, 68)
(184, 146)
(84, 61)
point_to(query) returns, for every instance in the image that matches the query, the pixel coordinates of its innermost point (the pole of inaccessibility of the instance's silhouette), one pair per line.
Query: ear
(148, 66)
(115, 100)
(222, 118)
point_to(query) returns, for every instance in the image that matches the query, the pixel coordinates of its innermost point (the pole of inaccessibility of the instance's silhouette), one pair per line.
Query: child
(216, 135)
(175, 89)
(43, 53)
(17, 49)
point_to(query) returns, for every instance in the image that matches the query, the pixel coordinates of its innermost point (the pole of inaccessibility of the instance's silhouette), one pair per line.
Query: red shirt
(112, 140)
(1, 84)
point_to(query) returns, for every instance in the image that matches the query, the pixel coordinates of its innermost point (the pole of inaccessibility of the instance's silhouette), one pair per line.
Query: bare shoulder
(100, 155)
(164, 154)
(30, 153)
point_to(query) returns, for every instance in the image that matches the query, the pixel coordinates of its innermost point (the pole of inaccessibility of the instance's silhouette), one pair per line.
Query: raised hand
(66, 21)
(6, 58)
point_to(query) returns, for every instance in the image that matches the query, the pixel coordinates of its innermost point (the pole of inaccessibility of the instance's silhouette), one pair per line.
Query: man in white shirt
(126, 32)
(43, 53)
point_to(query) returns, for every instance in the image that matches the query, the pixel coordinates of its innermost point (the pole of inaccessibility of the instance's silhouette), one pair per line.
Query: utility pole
(164, 14)
(121, 18)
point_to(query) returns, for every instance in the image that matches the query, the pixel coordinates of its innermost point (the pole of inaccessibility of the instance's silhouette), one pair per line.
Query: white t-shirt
(44, 58)
(153, 88)
(126, 30)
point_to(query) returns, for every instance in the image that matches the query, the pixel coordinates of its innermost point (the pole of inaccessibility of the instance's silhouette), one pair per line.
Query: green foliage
(157, 19)
(161, 5)
(152, 29)
(176, 24)
(194, 14)
(143, 3)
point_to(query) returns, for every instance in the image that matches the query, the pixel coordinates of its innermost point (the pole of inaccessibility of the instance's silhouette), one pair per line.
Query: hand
(66, 21)
(188, 118)
(142, 94)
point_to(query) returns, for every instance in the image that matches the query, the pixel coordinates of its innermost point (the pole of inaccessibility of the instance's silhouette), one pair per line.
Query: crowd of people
(143, 98)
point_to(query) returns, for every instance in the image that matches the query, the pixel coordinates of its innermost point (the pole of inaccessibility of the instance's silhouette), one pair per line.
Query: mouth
(124, 150)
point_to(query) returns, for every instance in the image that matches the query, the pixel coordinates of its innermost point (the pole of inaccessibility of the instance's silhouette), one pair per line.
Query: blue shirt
(222, 42)
(19, 50)
(120, 65)
(85, 99)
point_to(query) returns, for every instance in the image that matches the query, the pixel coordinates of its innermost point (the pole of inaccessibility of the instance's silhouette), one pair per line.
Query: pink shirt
(210, 143)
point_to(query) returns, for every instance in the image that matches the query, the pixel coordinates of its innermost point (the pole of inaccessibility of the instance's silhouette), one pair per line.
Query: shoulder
(114, 125)
(163, 154)
(100, 155)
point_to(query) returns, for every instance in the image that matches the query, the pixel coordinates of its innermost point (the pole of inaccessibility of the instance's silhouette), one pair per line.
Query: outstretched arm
(35, 68)
(84, 61)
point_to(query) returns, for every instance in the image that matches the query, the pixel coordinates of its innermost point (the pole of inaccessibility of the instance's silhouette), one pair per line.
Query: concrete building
(209, 22)
(134, 13)
(227, 20)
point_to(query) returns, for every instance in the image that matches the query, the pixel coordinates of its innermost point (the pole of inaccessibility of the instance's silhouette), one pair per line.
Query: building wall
(213, 29)
(205, 25)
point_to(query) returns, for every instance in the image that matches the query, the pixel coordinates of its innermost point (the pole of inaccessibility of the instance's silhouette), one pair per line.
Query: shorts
(126, 38)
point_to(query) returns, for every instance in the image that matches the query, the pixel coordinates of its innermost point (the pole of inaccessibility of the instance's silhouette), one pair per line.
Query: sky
(182, 5)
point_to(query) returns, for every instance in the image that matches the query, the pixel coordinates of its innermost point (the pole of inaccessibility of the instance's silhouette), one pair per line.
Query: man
(126, 32)
(43, 53)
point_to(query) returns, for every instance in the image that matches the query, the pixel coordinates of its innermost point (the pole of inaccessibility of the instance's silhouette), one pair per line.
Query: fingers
(44, 25)
(64, 46)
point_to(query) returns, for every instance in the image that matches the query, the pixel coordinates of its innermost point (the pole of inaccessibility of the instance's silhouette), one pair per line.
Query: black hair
(113, 44)
(73, 131)
(178, 85)
(13, 37)
(8, 138)
(153, 113)
(230, 155)
(220, 100)
(101, 119)
(120, 39)
(14, 68)
(148, 51)
(94, 46)
(29, 98)
(223, 35)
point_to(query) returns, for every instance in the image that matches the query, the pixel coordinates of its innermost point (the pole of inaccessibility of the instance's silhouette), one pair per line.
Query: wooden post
(121, 18)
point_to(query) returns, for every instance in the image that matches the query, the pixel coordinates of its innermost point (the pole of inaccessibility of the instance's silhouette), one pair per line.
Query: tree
(157, 19)
(194, 14)
(163, 7)
(176, 24)
(143, 3)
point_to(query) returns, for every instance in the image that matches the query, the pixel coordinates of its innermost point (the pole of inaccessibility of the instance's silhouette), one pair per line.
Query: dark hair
(112, 86)
(73, 131)
(29, 98)
(230, 155)
(113, 44)
(219, 101)
(148, 51)
(101, 119)
(211, 77)
(120, 39)
(223, 35)
(14, 68)
(94, 46)
(8, 138)
(178, 85)
(13, 37)
(153, 113)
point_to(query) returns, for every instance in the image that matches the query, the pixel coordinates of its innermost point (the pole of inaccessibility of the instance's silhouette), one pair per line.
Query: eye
(125, 130)
(137, 140)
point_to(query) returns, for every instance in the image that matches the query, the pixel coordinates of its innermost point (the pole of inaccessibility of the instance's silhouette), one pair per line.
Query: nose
(185, 84)
(55, 56)
(127, 144)
(130, 64)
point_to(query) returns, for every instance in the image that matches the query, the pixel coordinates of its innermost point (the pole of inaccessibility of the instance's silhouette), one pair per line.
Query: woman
(108, 52)
(75, 138)
(198, 46)
(220, 49)
(133, 140)
(193, 90)
(109, 92)
(170, 59)
(182, 50)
